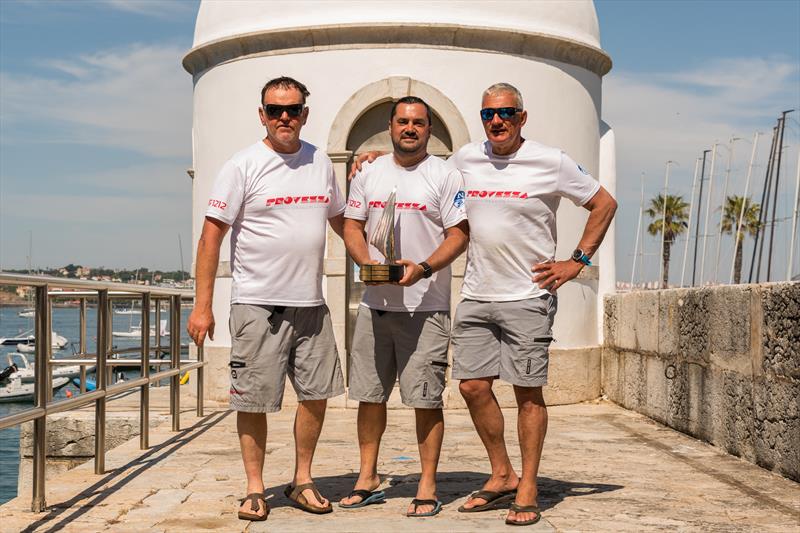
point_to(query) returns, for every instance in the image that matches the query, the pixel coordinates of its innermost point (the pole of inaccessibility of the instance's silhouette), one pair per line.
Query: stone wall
(719, 363)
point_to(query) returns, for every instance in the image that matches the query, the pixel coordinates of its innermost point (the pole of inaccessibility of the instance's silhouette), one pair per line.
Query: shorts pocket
(533, 362)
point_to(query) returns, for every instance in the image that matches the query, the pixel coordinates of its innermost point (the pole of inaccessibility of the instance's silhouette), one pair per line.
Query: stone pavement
(604, 469)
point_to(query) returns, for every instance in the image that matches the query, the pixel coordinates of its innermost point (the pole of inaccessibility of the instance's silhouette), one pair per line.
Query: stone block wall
(719, 363)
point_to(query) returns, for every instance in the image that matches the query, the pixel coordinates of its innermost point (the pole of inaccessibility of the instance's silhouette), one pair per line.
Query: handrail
(104, 293)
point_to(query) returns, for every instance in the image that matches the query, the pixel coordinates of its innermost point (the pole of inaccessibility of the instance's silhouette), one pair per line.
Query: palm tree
(675, 217)
(750, 224)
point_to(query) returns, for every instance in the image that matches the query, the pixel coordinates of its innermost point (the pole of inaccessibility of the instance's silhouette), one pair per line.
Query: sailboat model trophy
(383, 241)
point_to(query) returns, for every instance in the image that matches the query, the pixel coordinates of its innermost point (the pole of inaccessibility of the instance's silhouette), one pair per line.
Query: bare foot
(494, 484)
(369, 483)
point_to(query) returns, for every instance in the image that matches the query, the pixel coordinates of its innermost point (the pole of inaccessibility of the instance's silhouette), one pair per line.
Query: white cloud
(153, 8)
(676, 115)
(138, 98)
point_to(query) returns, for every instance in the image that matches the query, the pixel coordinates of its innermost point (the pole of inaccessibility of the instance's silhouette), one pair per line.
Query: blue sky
(95, 117)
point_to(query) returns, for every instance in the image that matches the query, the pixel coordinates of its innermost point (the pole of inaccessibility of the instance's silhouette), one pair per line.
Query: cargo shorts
(509, 340)
(268, 343)
(411, 346)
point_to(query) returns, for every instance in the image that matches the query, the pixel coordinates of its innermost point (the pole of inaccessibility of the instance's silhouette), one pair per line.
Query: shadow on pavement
(451, 486)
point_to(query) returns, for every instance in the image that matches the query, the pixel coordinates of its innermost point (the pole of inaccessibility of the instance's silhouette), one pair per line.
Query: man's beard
(399, 147)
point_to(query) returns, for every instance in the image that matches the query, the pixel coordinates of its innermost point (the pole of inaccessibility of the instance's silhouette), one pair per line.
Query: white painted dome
(573, 20)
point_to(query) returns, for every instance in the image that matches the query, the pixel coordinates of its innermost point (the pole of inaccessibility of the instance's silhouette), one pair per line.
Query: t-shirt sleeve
(337, 198)
(574, 182)
(356, 201)
(452, 199)
(227, 194)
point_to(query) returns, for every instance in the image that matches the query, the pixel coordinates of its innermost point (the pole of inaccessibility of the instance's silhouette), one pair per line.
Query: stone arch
(387, 90)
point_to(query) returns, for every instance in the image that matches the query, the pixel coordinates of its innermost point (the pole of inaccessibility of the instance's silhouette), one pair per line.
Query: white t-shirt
(511, 205)
(429, 200)
(278, 206)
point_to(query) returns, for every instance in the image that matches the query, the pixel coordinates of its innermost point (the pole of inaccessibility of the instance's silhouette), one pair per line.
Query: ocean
(66, 322)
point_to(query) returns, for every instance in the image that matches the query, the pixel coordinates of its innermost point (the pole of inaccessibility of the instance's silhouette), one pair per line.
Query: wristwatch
(427, 271)
(580, 257)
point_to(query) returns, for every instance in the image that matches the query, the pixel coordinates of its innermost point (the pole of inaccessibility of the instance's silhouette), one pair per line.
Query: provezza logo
(294, 200)
(497, 194)
(399, 205)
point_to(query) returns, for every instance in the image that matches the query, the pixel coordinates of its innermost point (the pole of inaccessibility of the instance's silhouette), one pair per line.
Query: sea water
(66, 322)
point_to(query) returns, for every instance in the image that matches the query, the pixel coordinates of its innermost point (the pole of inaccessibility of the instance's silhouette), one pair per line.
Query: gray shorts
(388, 344)
(509, 340)
(269, 342)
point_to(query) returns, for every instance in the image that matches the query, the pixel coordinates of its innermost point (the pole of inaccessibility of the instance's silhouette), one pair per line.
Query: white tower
(356, 56)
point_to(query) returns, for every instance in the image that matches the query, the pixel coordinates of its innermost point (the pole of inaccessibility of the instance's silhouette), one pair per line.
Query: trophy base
(381, 273)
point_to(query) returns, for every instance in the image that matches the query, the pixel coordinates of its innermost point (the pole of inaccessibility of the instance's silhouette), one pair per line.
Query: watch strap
(427, 271)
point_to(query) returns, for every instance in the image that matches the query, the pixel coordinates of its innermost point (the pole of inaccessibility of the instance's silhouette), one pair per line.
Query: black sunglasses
(276, 111)
(488, 113)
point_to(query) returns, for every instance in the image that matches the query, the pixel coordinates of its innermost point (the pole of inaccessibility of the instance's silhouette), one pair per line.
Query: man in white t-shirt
(503, 326)
(278, 195)
(403, 330)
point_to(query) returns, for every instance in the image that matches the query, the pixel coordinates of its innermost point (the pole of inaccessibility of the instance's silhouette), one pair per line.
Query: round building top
(565, 30)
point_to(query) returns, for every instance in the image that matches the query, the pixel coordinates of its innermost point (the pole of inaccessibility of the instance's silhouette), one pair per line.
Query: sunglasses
(488, 113)
(276, 111)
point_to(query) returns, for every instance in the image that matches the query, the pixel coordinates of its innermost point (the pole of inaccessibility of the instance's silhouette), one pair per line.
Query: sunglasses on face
(488, 113)
(276, 111)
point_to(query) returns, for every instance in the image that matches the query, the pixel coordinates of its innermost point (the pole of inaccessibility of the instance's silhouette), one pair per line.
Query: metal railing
(104, 294)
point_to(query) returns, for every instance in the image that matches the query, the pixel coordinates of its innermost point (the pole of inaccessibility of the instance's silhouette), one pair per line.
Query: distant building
(356, 57)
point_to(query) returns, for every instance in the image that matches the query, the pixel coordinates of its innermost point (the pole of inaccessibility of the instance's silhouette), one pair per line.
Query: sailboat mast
(699, 205)
(689, 226)
(795, 209)
(744, 203)
(762, 209)
(708, 209)
(724, 201)
(638, 229)
(775, 196)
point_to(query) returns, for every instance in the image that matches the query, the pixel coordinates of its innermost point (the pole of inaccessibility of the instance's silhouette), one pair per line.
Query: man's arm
(201, 321)
(337, 224)
(602, 207)
(455, 242)
(355, 240)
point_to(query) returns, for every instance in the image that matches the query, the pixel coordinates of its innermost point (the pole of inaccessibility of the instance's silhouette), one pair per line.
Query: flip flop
(254, 498)
(524, 509)
(367, 498)
(295, 494)
(494, 500)
(437, 506)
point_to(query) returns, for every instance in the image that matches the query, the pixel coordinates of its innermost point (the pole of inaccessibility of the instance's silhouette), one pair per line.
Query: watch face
(577, 254)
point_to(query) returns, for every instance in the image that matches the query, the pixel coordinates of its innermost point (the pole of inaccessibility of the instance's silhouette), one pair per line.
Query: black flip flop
(437, 506)
(524, 509)
(367, 498)
(494, 500)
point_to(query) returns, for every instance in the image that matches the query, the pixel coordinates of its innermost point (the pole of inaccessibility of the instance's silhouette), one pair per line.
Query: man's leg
(371, 425)
(252, 429)
(532, 427)
(490, 424)
(307, 427)
(430, 432)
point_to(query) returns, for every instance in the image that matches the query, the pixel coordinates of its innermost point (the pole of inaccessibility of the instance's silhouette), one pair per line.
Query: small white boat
(26, 370)
(128, 311)
(135, 332)
(28, 338)
(28, 312)
(13, 389)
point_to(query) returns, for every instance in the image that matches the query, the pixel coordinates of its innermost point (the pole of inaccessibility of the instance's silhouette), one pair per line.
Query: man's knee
(475, 389)
(529, 398)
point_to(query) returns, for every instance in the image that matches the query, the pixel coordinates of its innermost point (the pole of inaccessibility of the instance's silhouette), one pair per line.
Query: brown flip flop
(254, 498)
(295, 494)
(524, 509)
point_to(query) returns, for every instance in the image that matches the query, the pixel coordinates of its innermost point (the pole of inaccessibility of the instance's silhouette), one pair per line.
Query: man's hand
(201, 322)
(552, 275)
(413, 272)
(369, 157)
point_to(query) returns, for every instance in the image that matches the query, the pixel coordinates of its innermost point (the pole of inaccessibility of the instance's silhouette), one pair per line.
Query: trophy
(383, 240)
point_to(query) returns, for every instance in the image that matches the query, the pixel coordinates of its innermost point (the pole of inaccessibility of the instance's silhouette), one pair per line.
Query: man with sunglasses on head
(503, 326)
(402, 330)
(278, 195)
